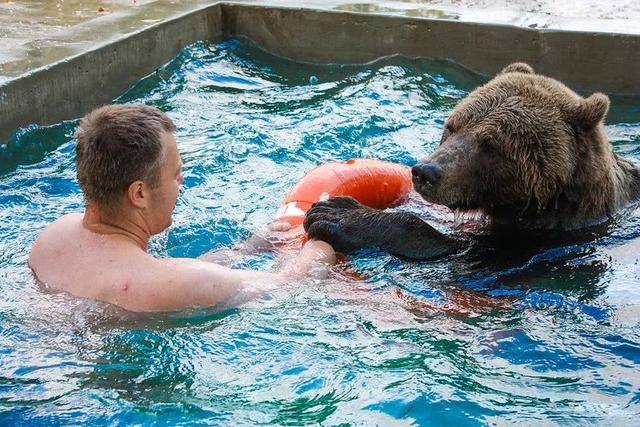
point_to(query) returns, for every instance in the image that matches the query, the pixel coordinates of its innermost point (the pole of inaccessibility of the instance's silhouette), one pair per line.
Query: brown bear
(524, 149)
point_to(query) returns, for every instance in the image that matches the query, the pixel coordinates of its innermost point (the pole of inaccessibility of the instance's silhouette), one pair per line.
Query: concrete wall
(585, 61)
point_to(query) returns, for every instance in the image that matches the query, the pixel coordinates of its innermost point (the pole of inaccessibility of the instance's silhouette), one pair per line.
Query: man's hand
(343, 222)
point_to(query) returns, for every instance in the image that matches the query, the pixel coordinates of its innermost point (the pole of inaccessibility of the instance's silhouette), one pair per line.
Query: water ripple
(544, 334)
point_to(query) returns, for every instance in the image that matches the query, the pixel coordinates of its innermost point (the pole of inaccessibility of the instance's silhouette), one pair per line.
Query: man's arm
(348, 225)
(180, 283)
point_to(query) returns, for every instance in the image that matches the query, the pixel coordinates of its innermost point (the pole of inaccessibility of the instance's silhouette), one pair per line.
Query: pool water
(549, 334)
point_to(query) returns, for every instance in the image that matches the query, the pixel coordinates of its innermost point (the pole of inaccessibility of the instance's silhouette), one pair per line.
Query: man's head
(126, 156)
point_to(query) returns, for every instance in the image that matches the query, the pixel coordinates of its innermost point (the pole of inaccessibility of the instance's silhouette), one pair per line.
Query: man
(129, 170)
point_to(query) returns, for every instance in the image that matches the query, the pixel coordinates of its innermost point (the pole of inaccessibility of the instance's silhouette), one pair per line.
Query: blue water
(558, 341)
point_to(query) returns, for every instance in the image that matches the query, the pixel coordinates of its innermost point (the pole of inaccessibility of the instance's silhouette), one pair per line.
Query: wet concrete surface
(34, 33)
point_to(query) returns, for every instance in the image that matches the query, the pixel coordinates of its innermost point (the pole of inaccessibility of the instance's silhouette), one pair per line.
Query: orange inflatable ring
(374, 183)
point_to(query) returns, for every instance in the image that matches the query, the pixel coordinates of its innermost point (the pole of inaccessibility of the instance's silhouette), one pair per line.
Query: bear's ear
(518, 67)
(589, 112)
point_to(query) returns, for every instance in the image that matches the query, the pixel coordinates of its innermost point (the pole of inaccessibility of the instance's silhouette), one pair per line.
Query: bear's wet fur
(524, 149)
(528, 151)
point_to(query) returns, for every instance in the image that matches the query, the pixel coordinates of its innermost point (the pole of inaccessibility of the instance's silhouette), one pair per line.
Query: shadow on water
(510, 263)
(31, 145)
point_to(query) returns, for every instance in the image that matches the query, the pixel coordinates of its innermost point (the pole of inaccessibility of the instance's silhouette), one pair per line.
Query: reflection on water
(517, 329)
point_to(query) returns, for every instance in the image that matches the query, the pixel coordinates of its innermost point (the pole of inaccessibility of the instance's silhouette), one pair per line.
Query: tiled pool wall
(585, 61)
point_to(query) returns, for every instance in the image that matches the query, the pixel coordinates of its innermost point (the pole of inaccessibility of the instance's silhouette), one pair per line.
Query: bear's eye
(488, 146)
(446, 133)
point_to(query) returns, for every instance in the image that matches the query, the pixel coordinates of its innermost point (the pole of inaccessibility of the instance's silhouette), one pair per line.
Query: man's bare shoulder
(68, 257)
(64, 223)
(54, 237)
(110, 268)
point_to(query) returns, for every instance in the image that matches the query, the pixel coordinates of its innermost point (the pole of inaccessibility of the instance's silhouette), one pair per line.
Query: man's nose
(427, 173)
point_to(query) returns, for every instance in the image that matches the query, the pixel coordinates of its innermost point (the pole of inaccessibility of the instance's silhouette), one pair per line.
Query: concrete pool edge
(68, 88)
(586, 61)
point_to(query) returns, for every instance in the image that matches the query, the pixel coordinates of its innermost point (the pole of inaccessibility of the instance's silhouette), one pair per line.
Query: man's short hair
(117, 145)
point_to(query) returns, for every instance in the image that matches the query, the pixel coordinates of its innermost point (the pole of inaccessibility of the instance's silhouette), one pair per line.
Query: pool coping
(66, 89)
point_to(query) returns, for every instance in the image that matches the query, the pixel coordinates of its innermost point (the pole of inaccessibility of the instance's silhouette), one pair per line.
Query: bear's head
(514, 146)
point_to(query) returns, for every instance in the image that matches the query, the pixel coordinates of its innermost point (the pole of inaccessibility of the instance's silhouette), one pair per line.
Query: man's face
(164, 196)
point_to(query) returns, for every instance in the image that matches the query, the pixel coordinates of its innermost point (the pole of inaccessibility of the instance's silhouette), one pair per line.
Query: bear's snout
(426, 173)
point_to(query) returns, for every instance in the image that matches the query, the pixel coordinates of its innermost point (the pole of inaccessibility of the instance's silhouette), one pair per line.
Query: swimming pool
(340, 351)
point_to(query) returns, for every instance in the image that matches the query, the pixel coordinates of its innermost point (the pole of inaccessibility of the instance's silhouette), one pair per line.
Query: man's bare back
(110, 268)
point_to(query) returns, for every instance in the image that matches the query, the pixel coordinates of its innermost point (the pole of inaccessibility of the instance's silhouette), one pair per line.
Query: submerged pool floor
(563, 345)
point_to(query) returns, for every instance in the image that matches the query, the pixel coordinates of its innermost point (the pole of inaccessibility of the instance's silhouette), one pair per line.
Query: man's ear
(518, 67)
(590, 112)
(138, 194)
